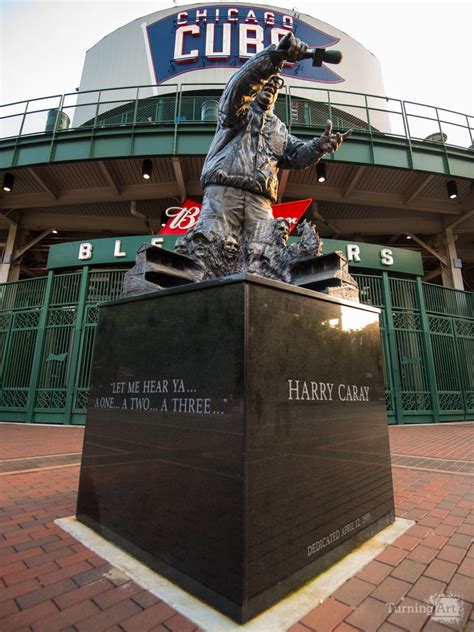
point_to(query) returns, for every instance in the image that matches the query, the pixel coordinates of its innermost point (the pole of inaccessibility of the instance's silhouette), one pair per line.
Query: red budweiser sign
(182, 218)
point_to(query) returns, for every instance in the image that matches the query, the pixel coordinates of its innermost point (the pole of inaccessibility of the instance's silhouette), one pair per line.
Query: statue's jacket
(250, 145)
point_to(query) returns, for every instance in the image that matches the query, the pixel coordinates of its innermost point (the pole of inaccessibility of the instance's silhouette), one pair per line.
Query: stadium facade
(74, 205)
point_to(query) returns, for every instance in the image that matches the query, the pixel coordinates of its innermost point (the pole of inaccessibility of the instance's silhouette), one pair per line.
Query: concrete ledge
(278, 618)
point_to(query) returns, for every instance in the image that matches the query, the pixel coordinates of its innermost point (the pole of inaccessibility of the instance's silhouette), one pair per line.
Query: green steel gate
(452, 337)
(427, 346)
(47, 328)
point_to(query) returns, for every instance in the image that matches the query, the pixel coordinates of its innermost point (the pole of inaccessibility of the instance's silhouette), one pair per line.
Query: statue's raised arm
(251, 78)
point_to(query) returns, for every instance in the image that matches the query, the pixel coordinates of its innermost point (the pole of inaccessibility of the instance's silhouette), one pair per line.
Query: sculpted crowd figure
(251, 144)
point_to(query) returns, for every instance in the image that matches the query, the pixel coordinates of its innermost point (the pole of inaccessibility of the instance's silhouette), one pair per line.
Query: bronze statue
(236, 231)
(251, 144)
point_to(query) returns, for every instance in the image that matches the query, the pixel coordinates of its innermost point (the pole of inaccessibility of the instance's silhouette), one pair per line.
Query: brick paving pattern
(435, 556)
(49, 581)
(36, 463)
(434, 465)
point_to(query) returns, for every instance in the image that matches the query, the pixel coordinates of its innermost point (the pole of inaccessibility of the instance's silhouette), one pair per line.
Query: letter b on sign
(85, 251)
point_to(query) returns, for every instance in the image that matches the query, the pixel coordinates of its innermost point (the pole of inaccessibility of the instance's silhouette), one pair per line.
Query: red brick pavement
(19, 441)
(49, 581)
(423, 441)
(434, 556)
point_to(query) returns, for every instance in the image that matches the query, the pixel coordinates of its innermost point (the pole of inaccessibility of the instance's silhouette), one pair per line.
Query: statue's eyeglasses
(278, 81)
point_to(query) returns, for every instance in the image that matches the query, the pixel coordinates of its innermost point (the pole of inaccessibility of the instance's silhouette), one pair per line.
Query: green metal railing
(181, 105)
(47, 329)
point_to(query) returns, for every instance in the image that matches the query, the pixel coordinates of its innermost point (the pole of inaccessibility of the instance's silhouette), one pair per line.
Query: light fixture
(147, 168)
(452, 189)
(408, 236)
(54, 231)
(321, 172)
(8, 181)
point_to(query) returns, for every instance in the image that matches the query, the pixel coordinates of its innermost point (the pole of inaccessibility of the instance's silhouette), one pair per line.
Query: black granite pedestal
(236, 437)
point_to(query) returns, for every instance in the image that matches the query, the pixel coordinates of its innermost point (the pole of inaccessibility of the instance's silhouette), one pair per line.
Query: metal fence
(47, 329)
(180, 105)
(428, 347)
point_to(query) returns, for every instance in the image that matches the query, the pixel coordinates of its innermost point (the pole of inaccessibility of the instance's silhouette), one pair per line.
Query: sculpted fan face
(283, 228)
(231, 246)
(268, 94)
(200, 245)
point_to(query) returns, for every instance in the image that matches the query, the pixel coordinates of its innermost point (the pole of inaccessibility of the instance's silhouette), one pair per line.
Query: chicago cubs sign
(226, 36)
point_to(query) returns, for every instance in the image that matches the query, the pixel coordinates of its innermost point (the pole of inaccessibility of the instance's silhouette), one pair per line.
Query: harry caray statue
(236, 231)
(251, 144)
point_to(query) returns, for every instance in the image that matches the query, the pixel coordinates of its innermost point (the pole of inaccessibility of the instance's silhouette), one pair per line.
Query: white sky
(425, 47)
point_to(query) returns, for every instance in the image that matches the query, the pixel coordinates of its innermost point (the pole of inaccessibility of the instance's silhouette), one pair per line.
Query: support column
(9, 270)
(392, 349)
(39, 346)
(76, 345)
(428, 352)
(452, 276)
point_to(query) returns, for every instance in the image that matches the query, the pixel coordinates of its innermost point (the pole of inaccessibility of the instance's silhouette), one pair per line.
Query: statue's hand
(292, 48)
(329, 142)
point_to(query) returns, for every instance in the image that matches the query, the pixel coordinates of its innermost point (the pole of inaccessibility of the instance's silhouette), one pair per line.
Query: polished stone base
(236, 438)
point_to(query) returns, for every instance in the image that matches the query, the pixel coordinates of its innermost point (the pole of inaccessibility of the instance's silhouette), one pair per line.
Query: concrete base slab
(278, 618)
